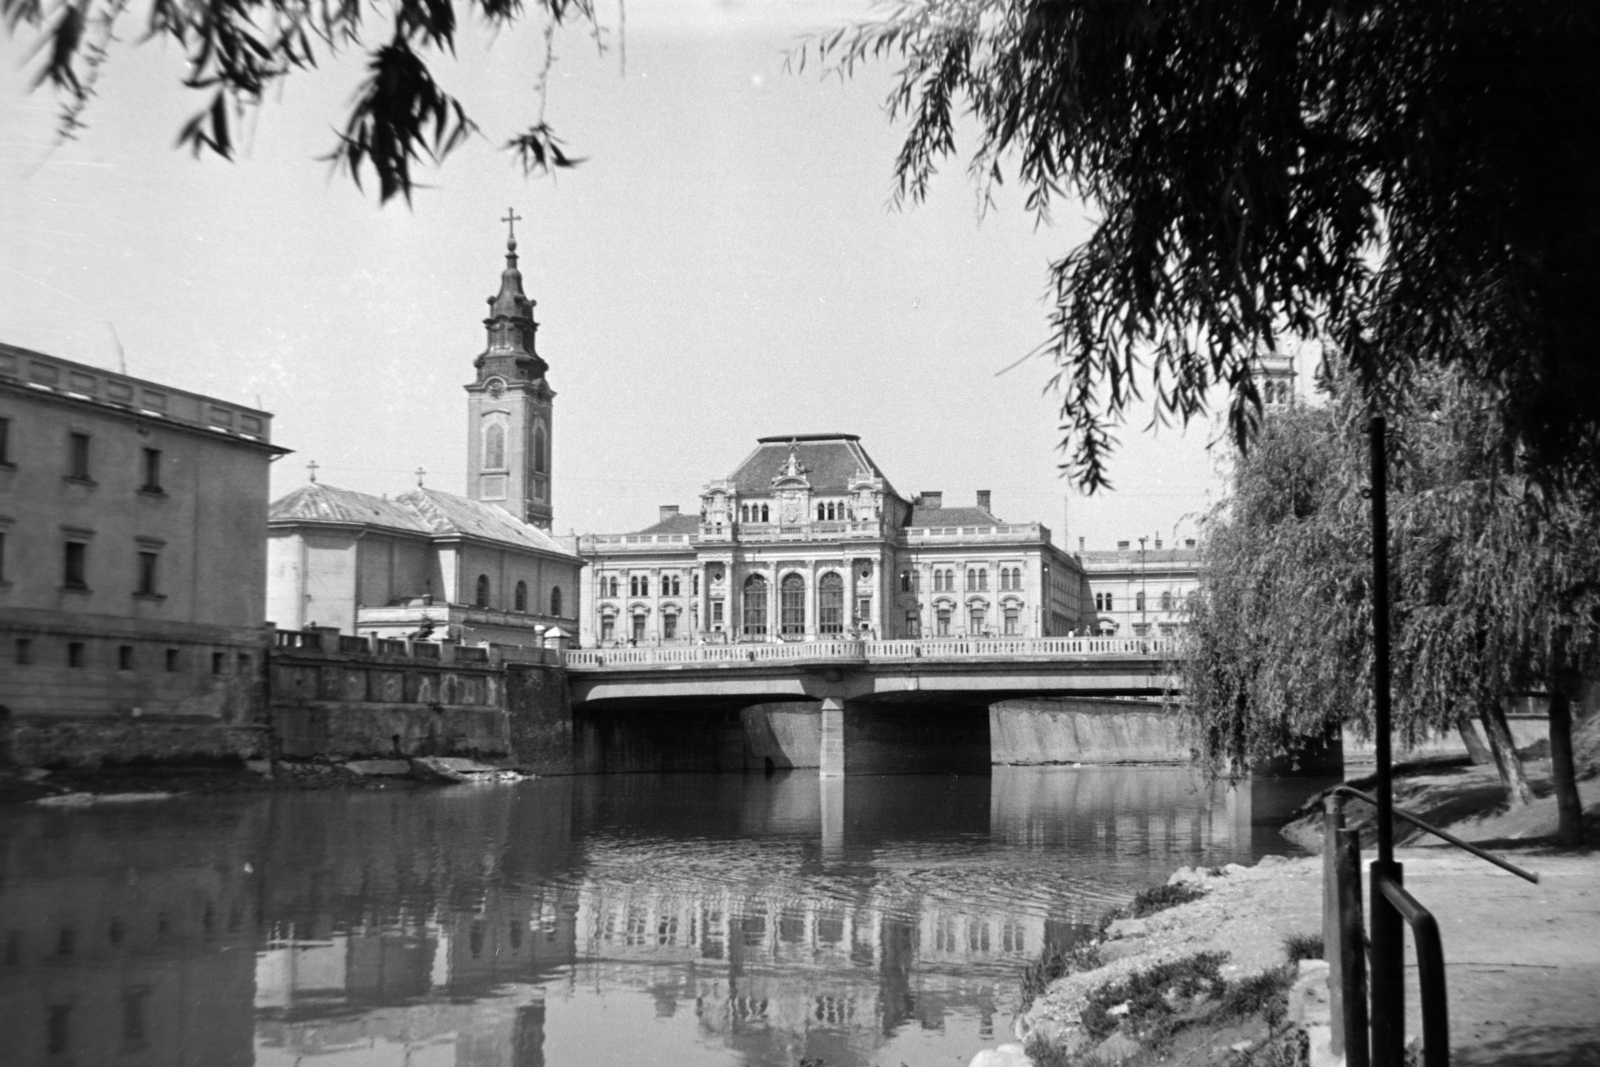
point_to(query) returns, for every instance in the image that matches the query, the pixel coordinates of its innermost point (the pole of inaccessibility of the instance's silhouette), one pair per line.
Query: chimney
(983, 499)
(1122, 546)
(668, 511)
(934, 499)
(1080, 545)
(1188, 543)
(1158, 544)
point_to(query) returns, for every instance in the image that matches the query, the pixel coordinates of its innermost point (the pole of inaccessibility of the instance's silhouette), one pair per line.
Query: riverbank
(1523, 960)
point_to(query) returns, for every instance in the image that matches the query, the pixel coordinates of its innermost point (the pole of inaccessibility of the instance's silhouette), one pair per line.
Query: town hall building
(474, 568)
(807, 540)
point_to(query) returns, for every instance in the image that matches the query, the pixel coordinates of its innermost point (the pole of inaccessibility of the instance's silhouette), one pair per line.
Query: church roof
(675, 524)
(317, 502)
(829, 461)
(448, 514)
(422, 511)
(926, 516)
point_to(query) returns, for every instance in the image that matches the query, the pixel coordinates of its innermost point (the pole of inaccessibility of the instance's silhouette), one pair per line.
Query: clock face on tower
(497, 388)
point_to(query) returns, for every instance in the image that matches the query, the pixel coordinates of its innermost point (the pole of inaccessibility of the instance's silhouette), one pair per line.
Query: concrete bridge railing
(800, 653)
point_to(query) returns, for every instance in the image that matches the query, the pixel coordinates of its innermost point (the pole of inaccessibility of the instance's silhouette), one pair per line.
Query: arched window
(1138, 601)
(941, 621)
(744, 512)
(764, 514)
(821, 510)
(1166, 601)
(983, 580)
(541, 452)
(482, 599)
(521, 596)
(830, 603)
(494, 447)
(905, 581)
(555, 600)
(792, 606)
(755, 605)
(613, 591)
(972, 580)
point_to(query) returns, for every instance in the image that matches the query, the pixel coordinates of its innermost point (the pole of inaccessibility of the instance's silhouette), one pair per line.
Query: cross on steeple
(420, 473)
(312, 467)
(511, 218)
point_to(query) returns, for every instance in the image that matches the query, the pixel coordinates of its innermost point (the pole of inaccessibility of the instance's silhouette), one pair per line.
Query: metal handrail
(1483, 854)
(1430, 969)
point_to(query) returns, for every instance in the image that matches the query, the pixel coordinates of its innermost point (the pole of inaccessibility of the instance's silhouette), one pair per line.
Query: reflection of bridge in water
(882, 706)
(498, 927)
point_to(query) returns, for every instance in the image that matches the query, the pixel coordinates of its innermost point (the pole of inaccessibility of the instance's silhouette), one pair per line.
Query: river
(626, 919)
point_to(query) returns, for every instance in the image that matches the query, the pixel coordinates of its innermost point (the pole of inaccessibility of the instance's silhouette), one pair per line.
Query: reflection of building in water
(138, 955)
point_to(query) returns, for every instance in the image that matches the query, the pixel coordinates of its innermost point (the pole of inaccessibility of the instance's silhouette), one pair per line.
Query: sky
(726, 264)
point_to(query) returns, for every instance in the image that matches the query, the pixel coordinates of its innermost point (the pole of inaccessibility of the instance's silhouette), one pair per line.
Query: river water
(628, 919)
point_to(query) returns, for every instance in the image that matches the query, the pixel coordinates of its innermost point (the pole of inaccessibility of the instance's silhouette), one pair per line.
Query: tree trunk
(1569, 808)
(1477, 751)
(1512, 776)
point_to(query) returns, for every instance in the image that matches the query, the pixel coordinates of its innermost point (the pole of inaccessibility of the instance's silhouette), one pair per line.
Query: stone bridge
(883, 704)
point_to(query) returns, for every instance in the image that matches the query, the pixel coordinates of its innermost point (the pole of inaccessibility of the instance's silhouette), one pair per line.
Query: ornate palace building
(483, 567)
(806, 540)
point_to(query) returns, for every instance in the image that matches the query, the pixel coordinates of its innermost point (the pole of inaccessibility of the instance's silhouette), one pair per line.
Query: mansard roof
(830, 461)
(317, 502)
(675, 524)
(926, 516)
(446, 514)
(422, 511)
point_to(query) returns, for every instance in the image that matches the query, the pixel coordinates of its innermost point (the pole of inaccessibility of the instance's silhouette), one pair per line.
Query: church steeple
(509, 405)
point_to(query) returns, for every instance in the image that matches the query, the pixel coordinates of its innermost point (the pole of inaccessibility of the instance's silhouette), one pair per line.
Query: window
(494, 447)
(916, 580)
(905, 581)
(941, 625)
(75, 565)
(1138, 601)
(152, 471)
(612, 587)
(1013, 618)
(5, 442)
(972, 580)
(147, 573)
(830, 603)
(218, 661)
(694, 584)
(864, 611)
(481, 599)
(608, 627)
(792, 605)
(755, 605)
(744, 512)
(520, 596)
(125, 657)
(638, 627)
(671, 585)
(975, 618)
(716, 614)
(78, 457)
(1166, 601)
(639, 585)
(821, 512)
(764, 514)
(24, 651)
(244, 663)
(75, 657)
(983, 580)
(541, 452)
(172, 659)
(555, 600)
(938, 581)
(913, 624)
(2, 556)
(669, 625)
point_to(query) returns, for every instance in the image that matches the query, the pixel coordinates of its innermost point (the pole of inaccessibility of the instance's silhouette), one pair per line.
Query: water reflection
(673, 919)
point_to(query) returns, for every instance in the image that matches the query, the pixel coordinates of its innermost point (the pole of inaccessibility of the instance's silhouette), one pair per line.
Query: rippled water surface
(643, 919)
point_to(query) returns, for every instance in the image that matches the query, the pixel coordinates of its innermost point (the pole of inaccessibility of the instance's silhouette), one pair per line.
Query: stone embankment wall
(1046, 730)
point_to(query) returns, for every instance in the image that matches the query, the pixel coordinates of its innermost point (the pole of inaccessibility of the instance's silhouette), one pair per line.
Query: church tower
(509, 405)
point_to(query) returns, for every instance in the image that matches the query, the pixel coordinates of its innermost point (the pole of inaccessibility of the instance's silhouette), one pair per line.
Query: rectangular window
(24, 651)
(5, 442)
(716, 613)
(172, 659)
(78, 456)
(608, 627)
(1012, 622)
(942, 622)
(2, 556)
(152, 471)
(125, 657)
(638, 627)
(244, 663)
(147, 573)
(75, 565)
(75, 657)
(669, 626)
(218, 661)
(864, 611)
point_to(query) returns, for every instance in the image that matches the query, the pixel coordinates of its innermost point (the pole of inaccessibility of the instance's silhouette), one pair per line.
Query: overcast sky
(725, 266)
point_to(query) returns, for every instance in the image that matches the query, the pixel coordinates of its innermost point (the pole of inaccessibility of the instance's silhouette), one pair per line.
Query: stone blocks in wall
(352, 730)
(90, 743)
(539, 718)
(1045, 730)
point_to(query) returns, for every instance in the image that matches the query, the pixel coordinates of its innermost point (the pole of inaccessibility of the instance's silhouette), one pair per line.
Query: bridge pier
(830, 750)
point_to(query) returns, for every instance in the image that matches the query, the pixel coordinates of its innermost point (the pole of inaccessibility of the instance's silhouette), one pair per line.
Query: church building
(483, 567)
(807, 540)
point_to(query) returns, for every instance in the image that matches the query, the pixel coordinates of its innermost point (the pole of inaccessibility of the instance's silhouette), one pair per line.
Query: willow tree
(1411, 179)
(1496, 586)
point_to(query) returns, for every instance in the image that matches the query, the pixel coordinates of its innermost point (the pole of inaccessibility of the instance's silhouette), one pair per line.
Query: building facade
(478, 568)
(132, 563)
(807, 540)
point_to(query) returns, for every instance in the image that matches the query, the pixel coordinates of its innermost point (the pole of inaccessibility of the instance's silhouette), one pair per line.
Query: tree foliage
(1495, 579)
(1409, 179)
(238, 49)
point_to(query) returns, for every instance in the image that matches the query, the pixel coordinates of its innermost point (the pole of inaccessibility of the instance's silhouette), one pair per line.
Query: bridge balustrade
(985, 648)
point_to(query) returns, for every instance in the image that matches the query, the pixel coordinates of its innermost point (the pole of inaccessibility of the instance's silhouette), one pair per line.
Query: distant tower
(509, 406)
(1275, 378)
